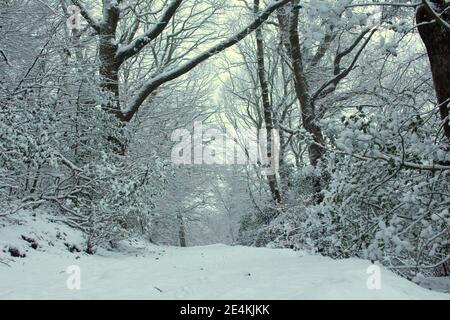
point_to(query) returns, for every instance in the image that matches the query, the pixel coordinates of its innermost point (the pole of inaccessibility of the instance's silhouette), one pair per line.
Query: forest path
(209, 272)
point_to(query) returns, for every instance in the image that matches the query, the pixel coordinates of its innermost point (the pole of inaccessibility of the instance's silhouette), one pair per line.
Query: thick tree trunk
(109, 77)
(302, 90)
(436, 38)
(290, 38)
(109, 73)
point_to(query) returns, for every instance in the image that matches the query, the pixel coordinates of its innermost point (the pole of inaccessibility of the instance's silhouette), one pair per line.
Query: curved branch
(87, 16)
(341, 75)
(160, 79)
(140, 42)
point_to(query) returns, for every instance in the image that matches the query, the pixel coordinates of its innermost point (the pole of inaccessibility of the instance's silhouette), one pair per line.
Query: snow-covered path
(210, 272)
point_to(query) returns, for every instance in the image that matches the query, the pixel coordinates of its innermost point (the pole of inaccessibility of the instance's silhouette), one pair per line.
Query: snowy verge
(141, 271)
(27, 234)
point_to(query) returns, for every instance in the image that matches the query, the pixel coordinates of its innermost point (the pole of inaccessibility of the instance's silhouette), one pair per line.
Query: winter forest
(287, 140)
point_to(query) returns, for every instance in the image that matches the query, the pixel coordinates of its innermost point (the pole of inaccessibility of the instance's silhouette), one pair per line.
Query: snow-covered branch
(141, 41)
(430, 8)
(339, 75)
(160, 79)
(94, 23)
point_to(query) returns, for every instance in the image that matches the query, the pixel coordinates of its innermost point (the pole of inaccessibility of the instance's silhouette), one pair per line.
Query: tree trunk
(181, 230)
(436, 38)
(267, 109)
(109, 77)
(290, 38)
(109, 73)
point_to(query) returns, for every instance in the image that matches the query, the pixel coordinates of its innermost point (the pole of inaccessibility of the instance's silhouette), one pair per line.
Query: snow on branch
(87, 15)
(379, 156)
(341, 75)
(391, 4)
(429, 6)
(160, 79)
(140, 42)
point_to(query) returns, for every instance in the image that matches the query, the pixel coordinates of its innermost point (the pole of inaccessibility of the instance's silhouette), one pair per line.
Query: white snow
(211, 272)
(141, 271)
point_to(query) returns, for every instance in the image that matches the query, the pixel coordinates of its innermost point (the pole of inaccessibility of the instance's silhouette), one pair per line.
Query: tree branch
(87, 16)
(160, 79)
(435, 15)
(140, 42)
(341, 75)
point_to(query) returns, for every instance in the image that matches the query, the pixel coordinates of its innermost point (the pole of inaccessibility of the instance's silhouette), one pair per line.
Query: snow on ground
(140, 271)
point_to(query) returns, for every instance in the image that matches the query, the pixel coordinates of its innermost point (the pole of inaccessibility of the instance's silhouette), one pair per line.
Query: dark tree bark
(267, 108)
(288, 19)
(109, 77)
(302, 90)
(181, 230)
(436, 37)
